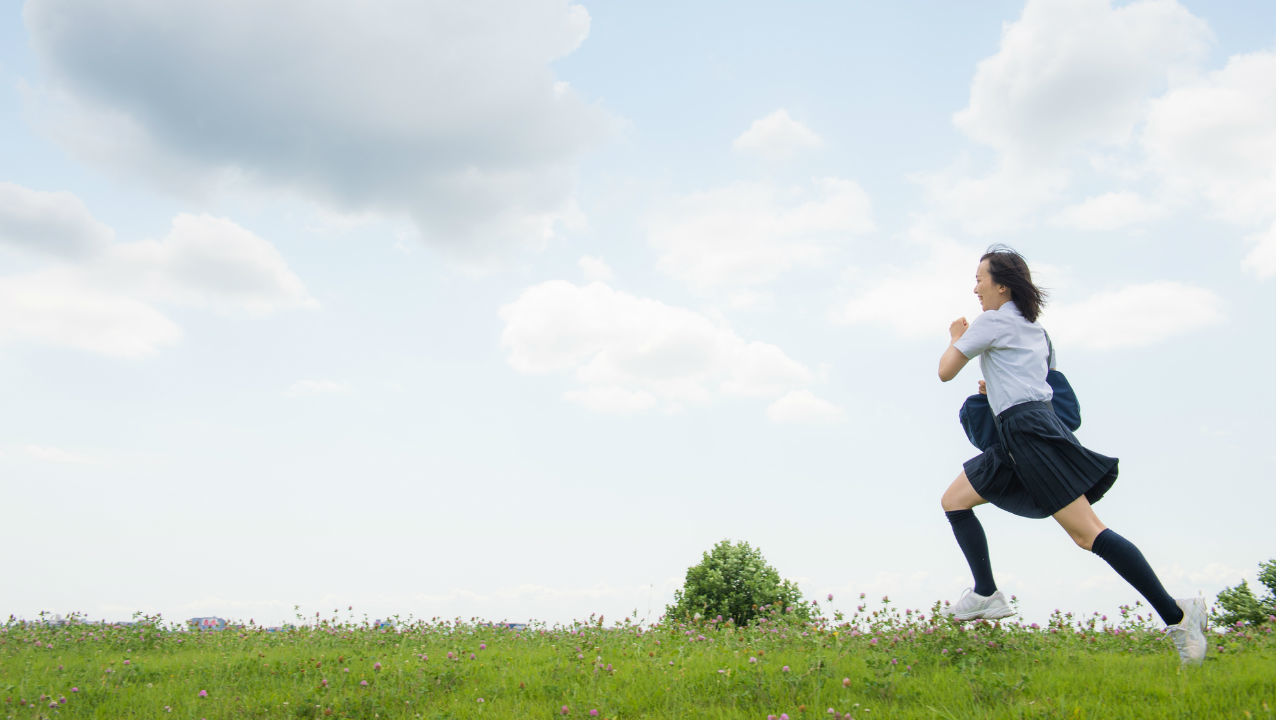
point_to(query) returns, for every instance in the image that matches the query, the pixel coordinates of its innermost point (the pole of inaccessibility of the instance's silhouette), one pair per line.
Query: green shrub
(733, 582)
(1238, 604)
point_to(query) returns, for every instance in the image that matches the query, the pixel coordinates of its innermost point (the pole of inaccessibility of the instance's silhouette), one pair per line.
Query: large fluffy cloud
(1078, 71)
(631, 353)
(1116, 98)
(1217, 136)
(106, 297)
(448, 112)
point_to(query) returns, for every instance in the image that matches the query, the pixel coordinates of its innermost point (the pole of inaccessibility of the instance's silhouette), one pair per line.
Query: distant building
(207, 623)
(507, 625)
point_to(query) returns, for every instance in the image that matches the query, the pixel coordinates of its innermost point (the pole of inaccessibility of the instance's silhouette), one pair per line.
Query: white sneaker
(1188, 635)
(972, 606)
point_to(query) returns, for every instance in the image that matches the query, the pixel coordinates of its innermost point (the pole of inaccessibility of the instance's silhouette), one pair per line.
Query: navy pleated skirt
(1039, 467)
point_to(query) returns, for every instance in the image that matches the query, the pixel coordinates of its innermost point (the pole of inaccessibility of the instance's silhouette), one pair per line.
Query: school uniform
(1038, 467)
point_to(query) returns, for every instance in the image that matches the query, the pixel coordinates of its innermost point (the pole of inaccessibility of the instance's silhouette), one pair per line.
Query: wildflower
(62, 699)
(564, 709)
(479, 700)
(875, 641)
(593, 712)
(786, 668)
(751, 660)
(830, 597)
(364, 683)
(845, 682)
(203, 693)
(126, 662)
(75, 689)
(483, 646)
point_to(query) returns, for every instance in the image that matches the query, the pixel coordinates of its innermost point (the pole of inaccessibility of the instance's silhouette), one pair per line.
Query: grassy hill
(880, 663)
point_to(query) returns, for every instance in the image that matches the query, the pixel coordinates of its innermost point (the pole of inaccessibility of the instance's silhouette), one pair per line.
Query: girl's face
(991, 295)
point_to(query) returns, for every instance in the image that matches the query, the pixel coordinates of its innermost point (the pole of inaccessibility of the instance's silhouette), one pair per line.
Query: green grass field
(881, 663)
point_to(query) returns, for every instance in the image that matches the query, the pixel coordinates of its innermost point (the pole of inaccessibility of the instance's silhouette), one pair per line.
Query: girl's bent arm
(951, 363)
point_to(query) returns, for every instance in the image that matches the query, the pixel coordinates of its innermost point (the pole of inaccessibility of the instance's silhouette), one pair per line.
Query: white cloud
(101, 297)
(595, 269)
(208, 262)
(59, 308)
(802, 406)
(1217, 136)
(1109, 211)
(776, 136)
(749, 233)
(53, 223)
(308, 387)
(1072, 79)
(1134, 316)
(630, 353)
(1261, 260)
(1072, 72)
(447, 112)
(919, 298)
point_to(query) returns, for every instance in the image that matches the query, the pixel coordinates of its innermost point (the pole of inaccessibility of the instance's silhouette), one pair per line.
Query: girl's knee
(1084, 537)
(952, 501)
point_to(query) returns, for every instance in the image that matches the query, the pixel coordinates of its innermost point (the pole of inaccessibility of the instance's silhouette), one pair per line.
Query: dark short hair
(1009, 268)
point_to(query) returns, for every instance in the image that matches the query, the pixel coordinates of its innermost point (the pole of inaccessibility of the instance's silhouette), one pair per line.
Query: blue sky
(513, 309)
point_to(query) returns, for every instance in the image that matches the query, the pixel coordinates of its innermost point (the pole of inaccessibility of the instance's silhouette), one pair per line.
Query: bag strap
(1053, 358)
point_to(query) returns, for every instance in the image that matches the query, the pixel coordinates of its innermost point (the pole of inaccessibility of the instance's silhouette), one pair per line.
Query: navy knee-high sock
(973, 543)
(1127, 560)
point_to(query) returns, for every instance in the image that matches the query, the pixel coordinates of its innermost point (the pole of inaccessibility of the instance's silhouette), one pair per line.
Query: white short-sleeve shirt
(1015, 356)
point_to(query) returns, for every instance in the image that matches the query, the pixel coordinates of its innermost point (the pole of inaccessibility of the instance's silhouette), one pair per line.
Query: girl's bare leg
(960, 495)
(1080, 522)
